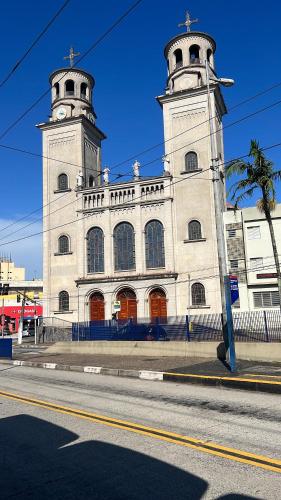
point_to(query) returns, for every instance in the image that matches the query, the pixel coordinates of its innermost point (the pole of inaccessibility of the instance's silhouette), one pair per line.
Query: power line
(176, 282)
(128, 202)
(89, 215)
(92, 47)
(152, 161)
(35, 41)
(144, 151)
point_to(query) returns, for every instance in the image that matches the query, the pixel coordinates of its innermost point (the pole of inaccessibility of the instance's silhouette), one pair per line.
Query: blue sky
(130, 71)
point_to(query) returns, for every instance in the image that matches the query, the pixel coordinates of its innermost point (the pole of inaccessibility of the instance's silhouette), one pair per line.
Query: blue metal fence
(251, 326)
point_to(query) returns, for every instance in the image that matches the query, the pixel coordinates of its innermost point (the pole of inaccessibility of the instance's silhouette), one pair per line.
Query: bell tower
(71, 163)
(193, 107)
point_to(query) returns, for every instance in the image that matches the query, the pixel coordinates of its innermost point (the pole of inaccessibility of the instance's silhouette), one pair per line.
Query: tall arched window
(95, 250)
(62, 182)
(124, 247)
(194, 57)
(178, 58)
(191, 161)
(209, 55)
(91, 181)
(63, 301)
(57, 90)
(69, 87)
(63, 244)
(83, 90)
(154, 244)
(198, 294)
(194, 230)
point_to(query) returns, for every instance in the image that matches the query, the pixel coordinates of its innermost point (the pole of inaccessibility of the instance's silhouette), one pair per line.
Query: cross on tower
(71, 56)
(188, 21)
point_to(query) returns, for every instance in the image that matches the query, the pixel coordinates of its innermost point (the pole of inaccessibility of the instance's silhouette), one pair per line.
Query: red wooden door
(158, 304)
(97, 307)
(128, 304)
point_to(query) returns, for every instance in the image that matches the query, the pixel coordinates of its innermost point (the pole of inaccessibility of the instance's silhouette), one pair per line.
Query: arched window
(194, 230)
(124, 247)
(57, 90)
(209, 55)
(198, 294)
(63, 246)
(83, 90)
(95, 250)
(69, 87)
(178, 58)
(191, 161)
(62, 182)
(154, 244)
(63, 301)
(194, 52)
(91, 181)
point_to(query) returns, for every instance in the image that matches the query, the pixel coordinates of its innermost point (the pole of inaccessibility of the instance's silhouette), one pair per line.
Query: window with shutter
(266, 299)
(234, 264)
(231, 233)
(254, 232)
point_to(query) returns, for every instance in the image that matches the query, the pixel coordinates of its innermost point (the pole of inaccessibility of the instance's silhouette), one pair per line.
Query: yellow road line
(263, 375)
(215, 377)
(179, 439)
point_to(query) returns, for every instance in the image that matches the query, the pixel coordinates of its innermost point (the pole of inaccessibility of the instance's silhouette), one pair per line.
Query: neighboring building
(9, 272)
(150, 242)
(11, 304)
(250, 256)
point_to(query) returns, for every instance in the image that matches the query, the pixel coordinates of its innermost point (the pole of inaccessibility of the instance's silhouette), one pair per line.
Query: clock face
(61, 113)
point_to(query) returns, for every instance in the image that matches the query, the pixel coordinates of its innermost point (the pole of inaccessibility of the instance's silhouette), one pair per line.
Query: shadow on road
(40, 460)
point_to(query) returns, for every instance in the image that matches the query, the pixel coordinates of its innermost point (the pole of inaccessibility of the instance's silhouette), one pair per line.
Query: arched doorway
(128, 301)
(157, 304)
(97, 307)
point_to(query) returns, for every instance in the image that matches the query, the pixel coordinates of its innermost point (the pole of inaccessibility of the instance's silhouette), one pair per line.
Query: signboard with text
(234, 289)
(117, 306)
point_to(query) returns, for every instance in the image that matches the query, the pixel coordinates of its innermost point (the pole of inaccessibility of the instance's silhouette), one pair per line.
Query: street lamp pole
(227, 331)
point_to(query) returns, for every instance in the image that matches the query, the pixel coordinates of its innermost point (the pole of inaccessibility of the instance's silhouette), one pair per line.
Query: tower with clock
(71, 150)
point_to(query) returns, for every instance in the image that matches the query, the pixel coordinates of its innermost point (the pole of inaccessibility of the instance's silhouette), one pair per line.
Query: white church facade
(150, 242)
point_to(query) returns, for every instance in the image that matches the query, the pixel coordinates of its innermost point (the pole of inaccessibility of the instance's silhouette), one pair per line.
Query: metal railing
(52, 329)
(251, 326)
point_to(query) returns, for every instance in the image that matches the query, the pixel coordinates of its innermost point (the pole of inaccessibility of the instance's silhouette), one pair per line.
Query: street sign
(117, 306)
(234, 289)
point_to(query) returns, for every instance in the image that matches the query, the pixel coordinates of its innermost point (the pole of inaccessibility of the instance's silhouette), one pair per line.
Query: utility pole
(20, 329)
(226, 311)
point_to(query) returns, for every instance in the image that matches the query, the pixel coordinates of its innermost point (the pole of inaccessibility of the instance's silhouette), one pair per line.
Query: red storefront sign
(14, 313)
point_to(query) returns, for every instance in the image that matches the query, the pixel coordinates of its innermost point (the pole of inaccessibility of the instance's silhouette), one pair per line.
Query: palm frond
(236, 167)
(247, 194)
(276, 175)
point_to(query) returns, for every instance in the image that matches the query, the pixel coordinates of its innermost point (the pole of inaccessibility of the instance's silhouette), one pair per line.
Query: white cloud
(24, 252)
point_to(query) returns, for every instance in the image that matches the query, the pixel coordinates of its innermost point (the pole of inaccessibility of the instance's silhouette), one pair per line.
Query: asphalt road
(53, 452)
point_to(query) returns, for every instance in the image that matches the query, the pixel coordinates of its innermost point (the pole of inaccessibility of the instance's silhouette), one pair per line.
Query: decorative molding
(90, 146)
(132, 277)
(122, 210)
(194, 241)
(66, 253)
(62, 190)
(62, 141)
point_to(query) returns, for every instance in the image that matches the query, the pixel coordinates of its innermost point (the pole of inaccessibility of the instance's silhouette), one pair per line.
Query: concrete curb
(249, 384)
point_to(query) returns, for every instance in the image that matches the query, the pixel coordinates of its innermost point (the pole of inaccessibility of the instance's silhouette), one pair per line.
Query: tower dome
(71, 93)
(186, 56)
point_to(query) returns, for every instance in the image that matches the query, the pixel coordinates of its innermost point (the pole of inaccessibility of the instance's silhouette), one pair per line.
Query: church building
(149, 243)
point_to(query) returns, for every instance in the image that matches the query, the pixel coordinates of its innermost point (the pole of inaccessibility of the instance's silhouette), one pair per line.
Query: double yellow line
(197, 444)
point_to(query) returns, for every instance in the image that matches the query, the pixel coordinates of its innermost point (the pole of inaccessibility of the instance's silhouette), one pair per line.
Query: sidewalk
(250, 375)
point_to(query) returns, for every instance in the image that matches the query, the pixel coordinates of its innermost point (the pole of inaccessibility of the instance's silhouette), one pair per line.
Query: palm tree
(261, 176)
